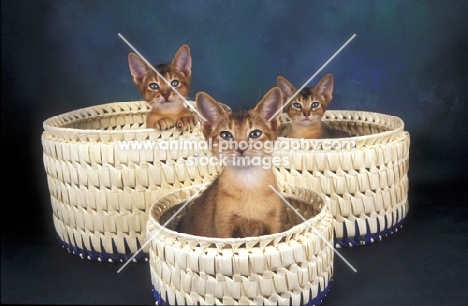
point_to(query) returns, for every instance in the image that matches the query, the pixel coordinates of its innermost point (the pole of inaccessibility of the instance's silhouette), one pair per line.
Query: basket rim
(55, 131)
(55, 124)
(394, 123)
(159, 228)
(101, 110)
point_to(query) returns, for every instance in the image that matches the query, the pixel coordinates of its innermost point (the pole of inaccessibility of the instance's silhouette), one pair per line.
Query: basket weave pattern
(292, 267)
(101, 193)
(366, 186)
(101, 187)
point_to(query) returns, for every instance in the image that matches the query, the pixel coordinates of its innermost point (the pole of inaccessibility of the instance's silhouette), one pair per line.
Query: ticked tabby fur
(168, 109)
(240, 202)
(306, 109)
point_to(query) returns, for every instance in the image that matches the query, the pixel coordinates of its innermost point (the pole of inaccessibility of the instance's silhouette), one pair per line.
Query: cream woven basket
(294, 267)
(364, 178)
(104, 170)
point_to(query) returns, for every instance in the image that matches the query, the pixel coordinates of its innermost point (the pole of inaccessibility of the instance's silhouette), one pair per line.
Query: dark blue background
(409, 59)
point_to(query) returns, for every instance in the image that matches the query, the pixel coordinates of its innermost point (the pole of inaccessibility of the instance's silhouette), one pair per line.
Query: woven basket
(364, 177)
(290, 268)
(105, 169)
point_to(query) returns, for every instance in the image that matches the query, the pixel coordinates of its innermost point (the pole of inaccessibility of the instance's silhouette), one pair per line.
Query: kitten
(306, 110)
(167, 107)
(239, 203)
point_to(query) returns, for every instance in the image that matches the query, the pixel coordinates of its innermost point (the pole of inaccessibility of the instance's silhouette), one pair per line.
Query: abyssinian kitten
(239, 202)
(306, 110)
(167, 107)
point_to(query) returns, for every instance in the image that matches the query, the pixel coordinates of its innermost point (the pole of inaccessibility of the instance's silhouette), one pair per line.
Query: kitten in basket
(239, 203)
(306, 109)
(167, 107)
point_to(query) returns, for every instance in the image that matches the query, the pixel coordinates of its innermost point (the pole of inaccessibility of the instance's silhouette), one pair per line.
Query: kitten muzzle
(166, 96)
(306, 121)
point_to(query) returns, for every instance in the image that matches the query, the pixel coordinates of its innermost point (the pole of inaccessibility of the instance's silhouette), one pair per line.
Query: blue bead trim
(368, 238)
(317, 301)
(106, 257)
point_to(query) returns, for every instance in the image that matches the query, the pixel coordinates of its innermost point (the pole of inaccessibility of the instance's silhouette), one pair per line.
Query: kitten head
(243, 133)
(154, 89)
(308, 106)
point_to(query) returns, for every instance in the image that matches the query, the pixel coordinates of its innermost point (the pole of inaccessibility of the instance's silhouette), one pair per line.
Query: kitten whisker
(306, 112)
(179, 71)
(218, 98)
(224, 210)
(313, 76)
(259, 92)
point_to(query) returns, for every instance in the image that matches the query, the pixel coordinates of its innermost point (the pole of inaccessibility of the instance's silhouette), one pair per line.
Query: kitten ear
(270, 107)
(325, 87)
(286, 87)
(138, 67)
(183, 60)
(210, 109)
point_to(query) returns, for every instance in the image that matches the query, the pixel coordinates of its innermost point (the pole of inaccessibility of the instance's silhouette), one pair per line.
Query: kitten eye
(297, 105)
(153, 86)
(175, 83)
(255, 134)
(225, 135)
(315, 104)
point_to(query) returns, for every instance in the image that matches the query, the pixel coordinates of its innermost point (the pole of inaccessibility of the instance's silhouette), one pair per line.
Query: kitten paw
(186, 123)
(164, 124)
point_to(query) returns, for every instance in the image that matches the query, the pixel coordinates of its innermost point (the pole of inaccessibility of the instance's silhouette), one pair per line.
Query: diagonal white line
(160, 75)
(313, 76)
(163, 226)
(313, 228)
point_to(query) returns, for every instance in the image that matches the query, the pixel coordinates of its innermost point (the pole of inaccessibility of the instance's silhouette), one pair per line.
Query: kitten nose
(307, 114)
(241, 151)
(166, 94)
